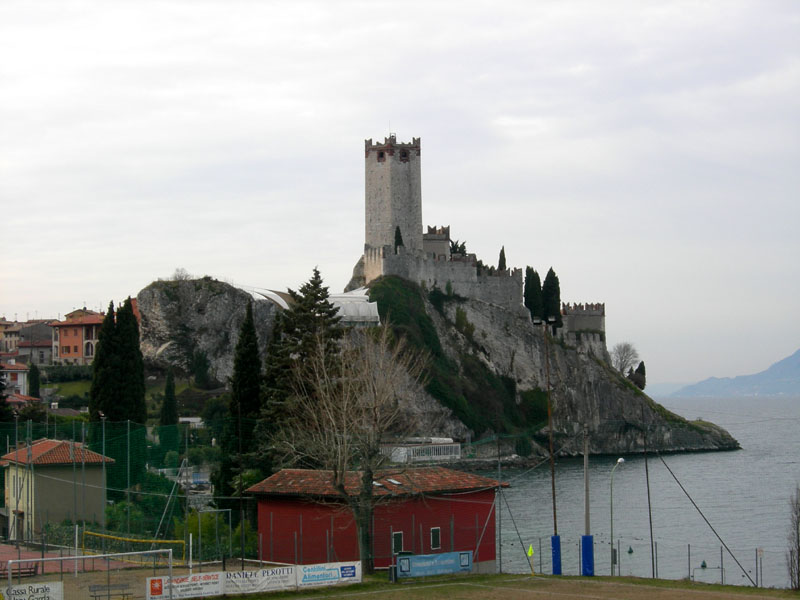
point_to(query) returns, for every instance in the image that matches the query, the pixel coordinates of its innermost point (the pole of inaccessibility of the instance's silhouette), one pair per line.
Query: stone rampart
(503, 288)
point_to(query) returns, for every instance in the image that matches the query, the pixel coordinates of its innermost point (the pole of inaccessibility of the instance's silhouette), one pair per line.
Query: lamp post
(555, 541)
(620, 461)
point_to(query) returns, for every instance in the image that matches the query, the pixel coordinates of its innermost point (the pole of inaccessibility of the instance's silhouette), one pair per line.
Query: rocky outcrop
(179, 318)
(585, 390)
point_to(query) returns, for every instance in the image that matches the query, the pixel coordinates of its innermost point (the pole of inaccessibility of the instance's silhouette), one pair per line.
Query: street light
(555, 541)
(620, 461)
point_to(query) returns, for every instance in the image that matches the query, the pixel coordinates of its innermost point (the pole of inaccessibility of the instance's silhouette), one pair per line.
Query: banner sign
(262, 580)
(328, 574)
(46, 590)
(423, 565)
(244, 582)
(185, 586)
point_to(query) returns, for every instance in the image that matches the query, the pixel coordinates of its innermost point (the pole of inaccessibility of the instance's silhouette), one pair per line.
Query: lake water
(744, 494)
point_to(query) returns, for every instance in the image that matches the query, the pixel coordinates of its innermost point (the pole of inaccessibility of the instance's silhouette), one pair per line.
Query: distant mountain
(782, 378)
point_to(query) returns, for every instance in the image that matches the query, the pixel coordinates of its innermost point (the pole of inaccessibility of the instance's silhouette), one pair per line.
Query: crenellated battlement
(390, 144)
(397, 244)
(589, 308)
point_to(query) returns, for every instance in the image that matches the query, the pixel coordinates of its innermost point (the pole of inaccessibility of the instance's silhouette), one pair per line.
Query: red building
(303, 520)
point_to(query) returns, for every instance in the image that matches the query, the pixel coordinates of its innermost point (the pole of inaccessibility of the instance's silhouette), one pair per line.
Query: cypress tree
(533, 293)
(501, 263)
(638, 377)
(105, 371)
(118, 392)
(132, 390)
(551, 298)
(168, 419)
(33, 381)
(246, 379)
(244, 405)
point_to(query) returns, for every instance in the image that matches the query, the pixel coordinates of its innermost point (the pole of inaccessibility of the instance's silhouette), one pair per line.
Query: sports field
(512, 587)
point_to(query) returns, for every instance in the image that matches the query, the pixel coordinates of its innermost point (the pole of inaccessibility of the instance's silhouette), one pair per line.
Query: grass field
(511, 587)
(70, 388)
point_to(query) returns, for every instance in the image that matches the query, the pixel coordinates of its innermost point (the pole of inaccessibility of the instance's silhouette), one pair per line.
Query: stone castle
(396, 245)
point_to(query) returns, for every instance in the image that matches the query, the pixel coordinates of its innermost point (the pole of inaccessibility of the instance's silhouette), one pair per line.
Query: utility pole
(587, 541)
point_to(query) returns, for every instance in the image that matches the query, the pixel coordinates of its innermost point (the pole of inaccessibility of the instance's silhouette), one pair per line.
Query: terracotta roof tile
(14, 367)
(424, 480)
(96, 319)
(54, 452)
(36, 344)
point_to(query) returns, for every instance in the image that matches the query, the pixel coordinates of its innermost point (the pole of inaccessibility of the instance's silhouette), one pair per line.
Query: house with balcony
(74, 340)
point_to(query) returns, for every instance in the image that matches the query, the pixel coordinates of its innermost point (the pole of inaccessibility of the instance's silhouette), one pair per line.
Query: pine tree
(310, 316)
(551, 298)
(501, 263)
(294, 339)
(34, 381)
(168, 419)
(533, 293)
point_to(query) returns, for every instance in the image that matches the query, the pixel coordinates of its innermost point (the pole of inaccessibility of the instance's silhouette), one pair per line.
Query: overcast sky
(648, 151)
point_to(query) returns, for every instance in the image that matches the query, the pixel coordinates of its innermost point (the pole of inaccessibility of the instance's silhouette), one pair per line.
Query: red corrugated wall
(327, 532)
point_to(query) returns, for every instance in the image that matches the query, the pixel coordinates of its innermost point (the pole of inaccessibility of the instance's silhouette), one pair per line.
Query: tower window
(381, 156)
(404, 156)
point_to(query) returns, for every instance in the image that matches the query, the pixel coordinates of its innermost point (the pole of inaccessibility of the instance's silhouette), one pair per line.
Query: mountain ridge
(779, 379)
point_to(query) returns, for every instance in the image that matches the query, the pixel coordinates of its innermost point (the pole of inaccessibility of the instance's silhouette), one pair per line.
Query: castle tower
(393, 193)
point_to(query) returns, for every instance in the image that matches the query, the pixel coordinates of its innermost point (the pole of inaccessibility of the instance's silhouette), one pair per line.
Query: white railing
(422, 452)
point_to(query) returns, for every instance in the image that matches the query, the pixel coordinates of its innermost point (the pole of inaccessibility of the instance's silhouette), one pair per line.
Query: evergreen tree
(533, 293)
(638, 377)
(295, 337)
(246, 379)
(199, 367)
(501, 263)
(168, 419)
(132, 390)
(551, 298)
(118, 392)
(105, 372)
(311, 315)
(244, 406)
(34, 381)
(398, 238)
(6, 412)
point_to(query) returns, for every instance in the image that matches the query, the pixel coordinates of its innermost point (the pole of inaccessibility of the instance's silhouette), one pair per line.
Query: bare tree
(346, 400)
(623, 357)
(793, 554)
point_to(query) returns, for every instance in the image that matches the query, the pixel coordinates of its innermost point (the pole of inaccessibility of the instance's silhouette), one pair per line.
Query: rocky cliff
(180, 318)
(585, 390)
(489, 368)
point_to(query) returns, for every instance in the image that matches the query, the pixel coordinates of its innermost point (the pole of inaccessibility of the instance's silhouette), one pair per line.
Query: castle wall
(501, 288)
(393, 187)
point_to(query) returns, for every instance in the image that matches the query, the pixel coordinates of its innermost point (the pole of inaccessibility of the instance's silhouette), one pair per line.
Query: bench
(18, 570)
(123, 590)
